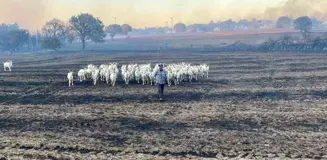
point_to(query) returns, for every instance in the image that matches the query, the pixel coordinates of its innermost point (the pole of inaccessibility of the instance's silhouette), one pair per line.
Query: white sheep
(70, 78)
(81, 75)
(176, 73)
(7, 64)
(95, 76)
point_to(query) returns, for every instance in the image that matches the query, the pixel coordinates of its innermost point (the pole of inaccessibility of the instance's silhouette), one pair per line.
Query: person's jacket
(161, 76)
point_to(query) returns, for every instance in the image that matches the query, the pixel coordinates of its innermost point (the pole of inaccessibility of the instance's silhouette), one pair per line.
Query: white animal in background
(113, 75)
(81, 75)
(7, 64)
(95, 76)
(70, 78)
(89, 69)
(138, 74)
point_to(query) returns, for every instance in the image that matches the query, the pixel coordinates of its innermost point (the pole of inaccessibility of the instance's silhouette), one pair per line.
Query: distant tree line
(55, 33)
(284, 43)
(283, 22)
(84, 27)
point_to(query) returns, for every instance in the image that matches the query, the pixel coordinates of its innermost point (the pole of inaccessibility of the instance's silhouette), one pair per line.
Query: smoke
(298, 8)
(27, 15)
(32, 14)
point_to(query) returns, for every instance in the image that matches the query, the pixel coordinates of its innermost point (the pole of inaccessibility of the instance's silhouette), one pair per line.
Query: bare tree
(54, 28)
(54, 32)
(87, 27)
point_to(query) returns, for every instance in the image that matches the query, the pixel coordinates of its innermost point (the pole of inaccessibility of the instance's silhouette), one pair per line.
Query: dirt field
(252, 106)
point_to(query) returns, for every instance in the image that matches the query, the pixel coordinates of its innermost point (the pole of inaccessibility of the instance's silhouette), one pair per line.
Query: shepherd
(161, 77)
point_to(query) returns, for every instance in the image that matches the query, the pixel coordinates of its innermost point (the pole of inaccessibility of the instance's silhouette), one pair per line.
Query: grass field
(254, 105)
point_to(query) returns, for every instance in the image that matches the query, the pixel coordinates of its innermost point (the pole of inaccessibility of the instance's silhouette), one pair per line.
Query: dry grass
(252, 106)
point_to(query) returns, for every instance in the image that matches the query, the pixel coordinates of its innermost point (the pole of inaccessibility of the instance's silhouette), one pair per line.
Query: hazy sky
(33, 14)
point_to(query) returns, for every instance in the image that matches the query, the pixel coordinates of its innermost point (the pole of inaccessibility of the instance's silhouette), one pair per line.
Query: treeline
(13, 38)
(55, 33)
(283, 22)
(284, 43)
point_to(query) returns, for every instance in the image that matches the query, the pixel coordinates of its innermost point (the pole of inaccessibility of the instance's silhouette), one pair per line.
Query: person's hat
(160, 65)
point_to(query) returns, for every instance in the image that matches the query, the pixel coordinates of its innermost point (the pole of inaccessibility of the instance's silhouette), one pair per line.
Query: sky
(32, 14)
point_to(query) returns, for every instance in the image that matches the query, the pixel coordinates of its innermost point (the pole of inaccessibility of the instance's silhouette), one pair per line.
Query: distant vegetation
(85, 28)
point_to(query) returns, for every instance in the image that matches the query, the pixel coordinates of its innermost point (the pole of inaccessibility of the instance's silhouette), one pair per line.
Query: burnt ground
(254, 106)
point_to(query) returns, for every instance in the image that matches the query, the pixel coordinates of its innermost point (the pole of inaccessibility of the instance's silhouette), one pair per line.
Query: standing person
(161, 77)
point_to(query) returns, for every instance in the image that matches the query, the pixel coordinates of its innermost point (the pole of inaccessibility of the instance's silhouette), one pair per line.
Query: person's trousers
(160, 89)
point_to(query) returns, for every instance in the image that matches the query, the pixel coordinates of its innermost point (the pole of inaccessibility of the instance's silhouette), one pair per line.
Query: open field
(254, 105)
(185, 40)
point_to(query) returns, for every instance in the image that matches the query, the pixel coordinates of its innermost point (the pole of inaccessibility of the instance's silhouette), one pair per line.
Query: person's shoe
(160, 99)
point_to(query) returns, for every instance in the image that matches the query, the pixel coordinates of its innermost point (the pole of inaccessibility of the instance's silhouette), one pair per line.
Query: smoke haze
(32, 14)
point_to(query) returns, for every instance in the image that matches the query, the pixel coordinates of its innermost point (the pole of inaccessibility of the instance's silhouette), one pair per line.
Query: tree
(51, 42)
(179, 27)
(87, 27)
(13, 40)
(33, 41)
(54, 28)
(70, 33)
(227, 25)
(284, 22)
(304, 24)
(243, 24)
(126, 29)
(54, 32)
(113, 30)
(193, 28)
(160, 31)
(318, 24)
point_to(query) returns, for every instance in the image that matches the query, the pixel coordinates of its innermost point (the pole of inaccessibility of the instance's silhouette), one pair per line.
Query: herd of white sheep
(144, 73)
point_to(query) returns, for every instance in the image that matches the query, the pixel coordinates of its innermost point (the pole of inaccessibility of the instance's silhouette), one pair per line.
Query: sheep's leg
(9, 69)
(4, 68)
